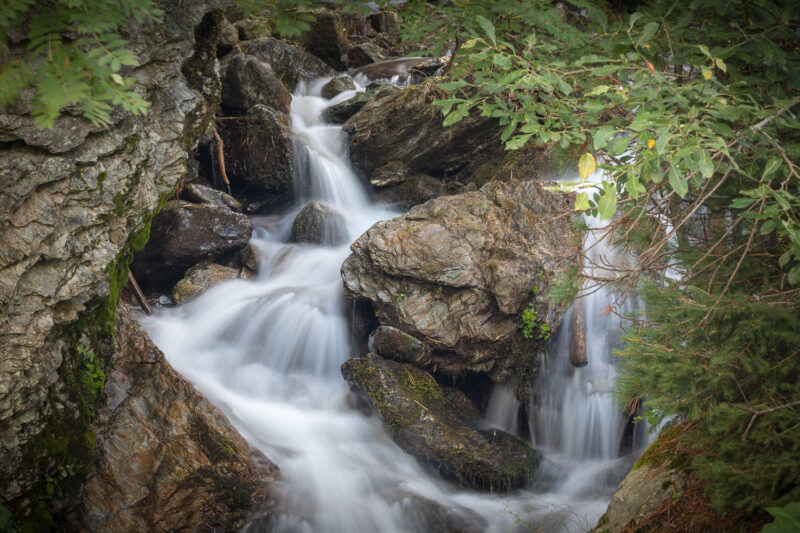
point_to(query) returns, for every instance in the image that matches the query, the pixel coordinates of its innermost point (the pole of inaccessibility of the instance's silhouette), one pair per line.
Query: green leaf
(452, 85)
(602, 135)
(607, 205)
(618, 145)
(586, 165)
(677, 182)
(772, 166)
(768, 226)
(794, 277)
(518, 141)
(598, 90)
(741, 203)
(582, 202)
(784, 260)
(649, 30)
(705, 164)
(488, 28)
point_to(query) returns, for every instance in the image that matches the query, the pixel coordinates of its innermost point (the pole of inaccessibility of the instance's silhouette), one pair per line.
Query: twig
(221, 157)
(139, 295)
(756, 414)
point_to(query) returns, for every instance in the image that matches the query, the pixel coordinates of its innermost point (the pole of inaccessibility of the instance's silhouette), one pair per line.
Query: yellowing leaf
(582, 202)
(586, 165)
(650, 144)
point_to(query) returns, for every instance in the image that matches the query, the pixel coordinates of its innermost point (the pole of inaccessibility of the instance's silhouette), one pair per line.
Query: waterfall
(267, 352)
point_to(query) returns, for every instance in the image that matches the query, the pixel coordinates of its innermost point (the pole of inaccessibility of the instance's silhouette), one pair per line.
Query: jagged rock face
(365, 53)
(290, 63)
(406, 129)
(71, 198)
(166, 459)
(248, 81)
(259, 158)
(425, 423)
(341, 112)
(457, 271)
(199, 279)
(183, 234)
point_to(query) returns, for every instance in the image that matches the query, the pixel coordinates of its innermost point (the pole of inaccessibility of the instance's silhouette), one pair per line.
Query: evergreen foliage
(690, 108)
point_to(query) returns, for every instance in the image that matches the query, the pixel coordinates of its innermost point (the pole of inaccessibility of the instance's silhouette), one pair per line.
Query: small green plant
(398, 297)
(531, 324)
(787, 518)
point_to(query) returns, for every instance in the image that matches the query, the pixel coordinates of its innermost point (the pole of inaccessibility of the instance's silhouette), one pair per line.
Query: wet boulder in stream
(248, 81)
(199, 279)
(290, 63)
(184, 234)
(337, 85)
(457, 272)
(317, 223)
(425, 423)
(202, 194)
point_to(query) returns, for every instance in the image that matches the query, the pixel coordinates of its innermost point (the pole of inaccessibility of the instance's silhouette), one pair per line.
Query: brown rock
(365, 53)
(202, 194)
(167, 459)
(337, 85)
(319, 224)
(290, 63)
(577, 342)
(457, 271)
(398, 345)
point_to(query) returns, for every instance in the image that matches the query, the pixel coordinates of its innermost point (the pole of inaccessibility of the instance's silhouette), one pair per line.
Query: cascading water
(268, 351)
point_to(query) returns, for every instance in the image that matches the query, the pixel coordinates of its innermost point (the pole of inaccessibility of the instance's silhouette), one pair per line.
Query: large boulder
(317, 223)
(184, 234)
(290, 63)
(259, 156)
(166, 458)
(327, 39)
(365, 53)
(199, 279)
(404, 128)
(424, 422)
(248, 81)
(457, 271)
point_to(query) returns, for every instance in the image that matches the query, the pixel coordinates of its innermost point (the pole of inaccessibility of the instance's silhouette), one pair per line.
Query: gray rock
(74, 200)
(248, 81)
(201, 194)
(365, 53)
(199, 279)
(340, 113)
(259, 156)
(411, 191)
(251, 29)
(386, 22)
(405, 127)
(290, 63)
(426, 424)
(337, 85)
(457, 271)
(228, 37)
(317, 223)
(326, 39)
(185, 234)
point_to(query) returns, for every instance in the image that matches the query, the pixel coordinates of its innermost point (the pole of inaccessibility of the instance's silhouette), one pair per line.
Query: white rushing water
(268, 353)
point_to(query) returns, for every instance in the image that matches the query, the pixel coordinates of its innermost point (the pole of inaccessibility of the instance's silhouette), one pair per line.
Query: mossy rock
(426, 424)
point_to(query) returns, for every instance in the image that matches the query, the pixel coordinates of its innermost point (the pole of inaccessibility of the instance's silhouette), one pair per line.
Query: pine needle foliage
(77, 57)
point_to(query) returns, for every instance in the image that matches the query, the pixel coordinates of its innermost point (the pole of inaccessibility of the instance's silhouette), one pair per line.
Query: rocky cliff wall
(75, 201)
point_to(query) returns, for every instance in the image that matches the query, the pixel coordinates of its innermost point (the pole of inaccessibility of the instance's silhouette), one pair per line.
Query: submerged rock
(405, 128)
(184, 234)
(199, 279)
(337, 85)
(290, 63)
(194, 192)
(166, 458)
(248, 81)
(424, 423)
(429, 515)
(259, 156)
(457, 271)
(317, 223)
